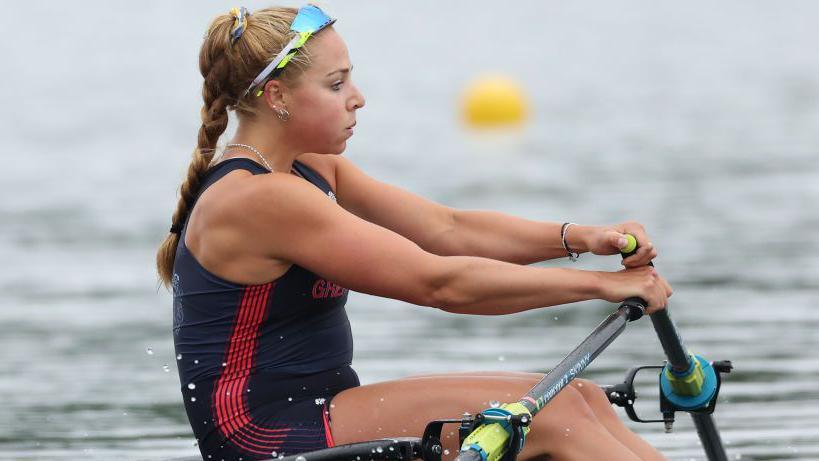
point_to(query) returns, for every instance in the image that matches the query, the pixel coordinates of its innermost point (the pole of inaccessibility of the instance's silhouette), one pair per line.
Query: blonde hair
(228, 70)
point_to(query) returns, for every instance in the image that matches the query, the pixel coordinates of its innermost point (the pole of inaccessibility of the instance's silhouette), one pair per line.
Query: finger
(643, 255)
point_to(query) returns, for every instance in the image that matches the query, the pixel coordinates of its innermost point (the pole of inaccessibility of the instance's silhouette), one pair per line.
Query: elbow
(443, 295)
(437, 285)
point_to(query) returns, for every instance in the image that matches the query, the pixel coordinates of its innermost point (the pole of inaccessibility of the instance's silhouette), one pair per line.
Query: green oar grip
(631, 246)
(491, 440)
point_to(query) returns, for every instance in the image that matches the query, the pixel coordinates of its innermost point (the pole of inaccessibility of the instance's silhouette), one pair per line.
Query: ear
(274, 94)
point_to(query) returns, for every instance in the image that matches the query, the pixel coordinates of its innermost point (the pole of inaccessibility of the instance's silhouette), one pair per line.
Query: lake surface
(700, 120)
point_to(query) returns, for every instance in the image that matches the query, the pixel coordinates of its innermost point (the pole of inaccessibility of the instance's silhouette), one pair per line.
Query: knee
(589, 390)
(568, 408)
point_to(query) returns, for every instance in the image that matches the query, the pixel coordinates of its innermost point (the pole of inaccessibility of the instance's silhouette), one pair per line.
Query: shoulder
(325, 165)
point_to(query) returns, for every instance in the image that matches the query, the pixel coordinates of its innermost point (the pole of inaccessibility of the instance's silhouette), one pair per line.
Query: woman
(268, 237)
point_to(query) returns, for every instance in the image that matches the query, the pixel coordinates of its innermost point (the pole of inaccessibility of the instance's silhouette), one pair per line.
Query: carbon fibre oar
(688, 381)
(491, 440)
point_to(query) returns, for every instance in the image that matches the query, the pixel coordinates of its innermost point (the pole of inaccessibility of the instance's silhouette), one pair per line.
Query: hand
(642, 282)
(609, 240)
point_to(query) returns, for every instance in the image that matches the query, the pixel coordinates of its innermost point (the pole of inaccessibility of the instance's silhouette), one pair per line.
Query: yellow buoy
(494, 101)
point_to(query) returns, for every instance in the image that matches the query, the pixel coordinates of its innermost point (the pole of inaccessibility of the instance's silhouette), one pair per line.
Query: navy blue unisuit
(258, 364)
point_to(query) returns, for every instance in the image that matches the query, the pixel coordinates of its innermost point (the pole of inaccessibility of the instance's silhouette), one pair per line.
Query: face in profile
(323, 101)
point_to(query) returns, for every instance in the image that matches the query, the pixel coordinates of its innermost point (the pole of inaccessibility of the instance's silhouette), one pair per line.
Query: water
(699, 120)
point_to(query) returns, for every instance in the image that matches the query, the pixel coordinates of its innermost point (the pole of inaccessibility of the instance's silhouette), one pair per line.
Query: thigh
(402, 408)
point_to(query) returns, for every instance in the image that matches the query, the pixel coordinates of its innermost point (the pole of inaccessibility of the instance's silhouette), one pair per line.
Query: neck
(268, 141)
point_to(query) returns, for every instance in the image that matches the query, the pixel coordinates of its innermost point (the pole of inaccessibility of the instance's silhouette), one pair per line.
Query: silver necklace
(255, 151)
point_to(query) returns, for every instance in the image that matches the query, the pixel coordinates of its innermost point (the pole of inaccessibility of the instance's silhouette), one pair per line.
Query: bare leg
(599, 403)
(568, 429)
(596, 400)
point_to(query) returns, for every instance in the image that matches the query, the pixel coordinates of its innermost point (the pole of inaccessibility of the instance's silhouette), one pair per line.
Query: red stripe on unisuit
(325, 417)
(228, 395)
(223, 407)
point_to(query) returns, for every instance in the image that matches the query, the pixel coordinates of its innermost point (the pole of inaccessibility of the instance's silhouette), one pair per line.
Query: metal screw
(436, 449)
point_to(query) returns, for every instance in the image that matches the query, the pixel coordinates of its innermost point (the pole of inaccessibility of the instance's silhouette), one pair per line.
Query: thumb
(618, 240)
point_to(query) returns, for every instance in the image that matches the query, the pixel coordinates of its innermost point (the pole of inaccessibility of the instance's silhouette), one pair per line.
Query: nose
(357, 101)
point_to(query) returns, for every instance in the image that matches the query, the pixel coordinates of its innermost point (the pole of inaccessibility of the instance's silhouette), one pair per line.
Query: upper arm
(418, 219)
(294, 221)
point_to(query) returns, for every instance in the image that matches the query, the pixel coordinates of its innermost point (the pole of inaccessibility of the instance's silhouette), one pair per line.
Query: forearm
(508, 238)
(488, 287)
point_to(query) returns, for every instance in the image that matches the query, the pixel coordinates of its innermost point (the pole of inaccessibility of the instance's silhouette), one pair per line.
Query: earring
(283, 114)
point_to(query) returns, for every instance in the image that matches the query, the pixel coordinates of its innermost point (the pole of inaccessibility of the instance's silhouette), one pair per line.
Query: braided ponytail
(228, 64)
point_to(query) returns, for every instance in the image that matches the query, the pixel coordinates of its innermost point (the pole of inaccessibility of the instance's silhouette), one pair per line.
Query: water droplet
(204, 422)
(501, 358)
(556, 317)
(579, 384)
(191, 386)
(281, 337)
(392, 448)
(446, 452)
(166, 368)
(380, 450)
(631, 402)
(381, 399)
(320, 401)
(304, 388)
(124, 413)
(290, 399)
(301, 458)
(196, 361)
(178, 356)
(568, 430)
(149, 350)
(274, 454)
(224, 364)
(332, 405)
(193, 399)
(494, 404)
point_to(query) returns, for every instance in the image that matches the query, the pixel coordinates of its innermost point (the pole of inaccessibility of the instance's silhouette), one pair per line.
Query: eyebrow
(343, 71)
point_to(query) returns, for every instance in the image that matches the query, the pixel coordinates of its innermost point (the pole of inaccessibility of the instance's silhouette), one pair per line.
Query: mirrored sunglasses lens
(310, 19)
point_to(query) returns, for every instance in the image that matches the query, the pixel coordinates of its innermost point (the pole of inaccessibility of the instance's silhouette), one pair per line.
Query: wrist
(577, 237)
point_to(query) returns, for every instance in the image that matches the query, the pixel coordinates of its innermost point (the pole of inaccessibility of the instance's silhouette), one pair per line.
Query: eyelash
(337, 85)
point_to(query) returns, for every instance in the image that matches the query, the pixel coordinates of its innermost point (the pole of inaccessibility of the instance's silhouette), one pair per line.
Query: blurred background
(699, 119)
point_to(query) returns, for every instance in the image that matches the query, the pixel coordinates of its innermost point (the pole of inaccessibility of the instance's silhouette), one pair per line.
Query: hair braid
(227, 69)
(214, 116)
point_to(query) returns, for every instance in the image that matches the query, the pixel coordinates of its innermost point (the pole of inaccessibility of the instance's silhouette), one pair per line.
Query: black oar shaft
(709, 436)
(680, 360)
(670, 340)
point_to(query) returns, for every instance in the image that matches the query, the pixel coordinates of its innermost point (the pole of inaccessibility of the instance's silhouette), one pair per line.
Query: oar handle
(669, 338)
(636, 305)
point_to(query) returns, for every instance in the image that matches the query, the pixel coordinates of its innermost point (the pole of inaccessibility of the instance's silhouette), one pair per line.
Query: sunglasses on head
(309, 20)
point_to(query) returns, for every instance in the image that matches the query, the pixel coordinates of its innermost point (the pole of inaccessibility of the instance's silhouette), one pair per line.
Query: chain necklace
(255, 151)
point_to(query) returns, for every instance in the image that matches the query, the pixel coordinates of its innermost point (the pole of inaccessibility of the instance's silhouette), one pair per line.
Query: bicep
(309, 230)
(416, 218)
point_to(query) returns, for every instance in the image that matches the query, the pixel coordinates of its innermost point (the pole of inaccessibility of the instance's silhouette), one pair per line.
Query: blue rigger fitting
(687, 380)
